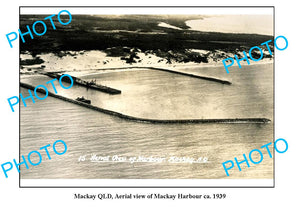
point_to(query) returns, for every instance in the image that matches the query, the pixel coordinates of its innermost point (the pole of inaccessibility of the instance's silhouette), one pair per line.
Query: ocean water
(152, 94)
(240, 23)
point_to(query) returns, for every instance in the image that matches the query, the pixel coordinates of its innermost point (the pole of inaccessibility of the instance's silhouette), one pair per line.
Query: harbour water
(152, 94)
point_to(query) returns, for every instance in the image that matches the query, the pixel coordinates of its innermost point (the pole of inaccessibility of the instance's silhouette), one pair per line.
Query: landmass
(130, 40)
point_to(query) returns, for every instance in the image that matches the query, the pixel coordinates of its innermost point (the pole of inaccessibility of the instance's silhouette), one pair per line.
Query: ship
(82, 99)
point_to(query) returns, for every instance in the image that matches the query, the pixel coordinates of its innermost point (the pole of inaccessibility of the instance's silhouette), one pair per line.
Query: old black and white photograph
(141, 96)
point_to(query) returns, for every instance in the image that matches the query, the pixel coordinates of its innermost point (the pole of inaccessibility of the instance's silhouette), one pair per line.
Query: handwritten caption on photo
(141, 159)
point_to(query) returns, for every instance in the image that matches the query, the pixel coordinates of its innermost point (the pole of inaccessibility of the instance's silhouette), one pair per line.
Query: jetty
(146, 120)
(89, 85)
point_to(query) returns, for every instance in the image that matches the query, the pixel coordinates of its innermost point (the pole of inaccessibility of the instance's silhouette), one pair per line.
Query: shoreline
(96, 60)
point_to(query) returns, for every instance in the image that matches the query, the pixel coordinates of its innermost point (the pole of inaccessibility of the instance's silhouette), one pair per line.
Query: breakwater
(86, 84)
(146, 120)
(174, 72)
(194, 76)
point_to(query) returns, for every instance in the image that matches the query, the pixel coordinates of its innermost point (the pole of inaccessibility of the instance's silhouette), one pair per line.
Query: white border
(150, 10)
(150, 183)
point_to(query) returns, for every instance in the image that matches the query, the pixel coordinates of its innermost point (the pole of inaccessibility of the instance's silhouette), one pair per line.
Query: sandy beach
(97, 60)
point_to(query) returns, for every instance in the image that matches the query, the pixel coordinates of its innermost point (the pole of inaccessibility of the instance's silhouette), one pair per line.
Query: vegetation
(124, 36)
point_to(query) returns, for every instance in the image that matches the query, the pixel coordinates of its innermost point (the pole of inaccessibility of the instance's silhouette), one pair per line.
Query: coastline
(96, 60)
